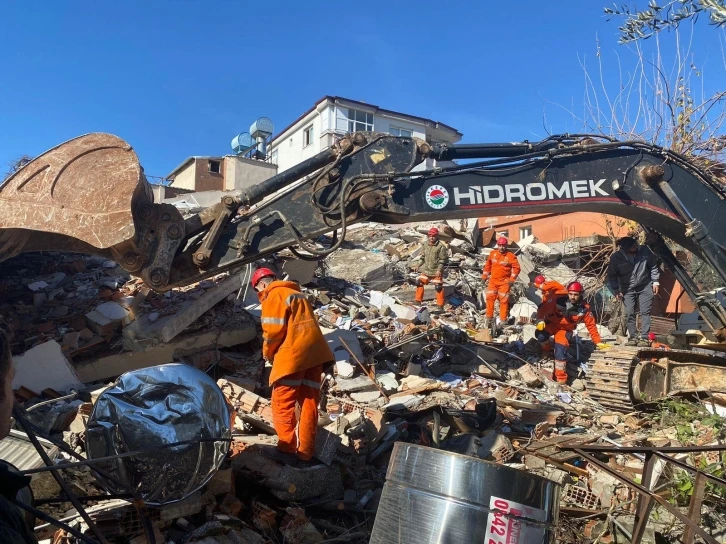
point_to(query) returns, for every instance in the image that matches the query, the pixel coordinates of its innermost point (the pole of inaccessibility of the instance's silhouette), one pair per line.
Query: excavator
(90, 195)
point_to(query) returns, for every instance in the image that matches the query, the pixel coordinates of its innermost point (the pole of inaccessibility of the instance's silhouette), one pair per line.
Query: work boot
(560, 372)
(632, 342)
(643, 343)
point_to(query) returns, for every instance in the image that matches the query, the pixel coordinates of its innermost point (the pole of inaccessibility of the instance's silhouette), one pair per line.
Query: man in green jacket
(435, 254)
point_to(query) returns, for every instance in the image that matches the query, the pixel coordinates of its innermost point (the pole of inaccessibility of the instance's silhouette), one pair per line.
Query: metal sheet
(17, 450)
(156, 406)
(434, 496)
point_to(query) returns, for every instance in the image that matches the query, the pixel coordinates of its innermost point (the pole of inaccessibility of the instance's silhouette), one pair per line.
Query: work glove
(603, 345)
(540, 325)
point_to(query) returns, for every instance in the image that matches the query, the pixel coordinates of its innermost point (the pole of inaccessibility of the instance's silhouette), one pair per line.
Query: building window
(214, 167)
(359, 121)
(397, 131)
(273, 157)
(290, 142)
(525, 231)
(308, 136)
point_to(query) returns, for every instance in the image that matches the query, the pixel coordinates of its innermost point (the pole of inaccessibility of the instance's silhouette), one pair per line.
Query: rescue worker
(633, 276)
(294, 343)
(563, 323)
(550, 292)
(435, 254)
(501, 270)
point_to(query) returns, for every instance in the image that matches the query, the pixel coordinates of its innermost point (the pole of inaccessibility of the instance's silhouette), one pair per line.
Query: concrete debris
(403, 371)
(358, 266)
(44, 367)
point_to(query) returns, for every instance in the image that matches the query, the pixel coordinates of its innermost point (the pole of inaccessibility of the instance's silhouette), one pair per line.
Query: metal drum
(155, 407)
(433, 496)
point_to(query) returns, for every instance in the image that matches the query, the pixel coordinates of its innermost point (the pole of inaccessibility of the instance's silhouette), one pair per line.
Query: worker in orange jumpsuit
(501, 270)
(551, 292)
(294, 343)
(563, 323)
(435, 254)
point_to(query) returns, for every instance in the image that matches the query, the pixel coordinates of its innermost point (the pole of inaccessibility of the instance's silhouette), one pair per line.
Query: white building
(332, 117)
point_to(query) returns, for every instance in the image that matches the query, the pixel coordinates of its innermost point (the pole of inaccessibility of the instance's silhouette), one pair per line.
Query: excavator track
(610, 372)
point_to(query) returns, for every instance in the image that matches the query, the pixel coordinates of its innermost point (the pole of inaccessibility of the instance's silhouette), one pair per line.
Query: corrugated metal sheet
(658, 325)
(17, 450)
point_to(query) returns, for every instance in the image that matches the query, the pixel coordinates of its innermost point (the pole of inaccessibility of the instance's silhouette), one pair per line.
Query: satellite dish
(242, 143)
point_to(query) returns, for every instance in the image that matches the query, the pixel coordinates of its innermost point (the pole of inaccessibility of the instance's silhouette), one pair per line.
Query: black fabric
(12, 523)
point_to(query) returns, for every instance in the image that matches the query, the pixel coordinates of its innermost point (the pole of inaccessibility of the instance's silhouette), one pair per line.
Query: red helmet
(433, 231)
(261, 273)
(575, 287)
(539, 280)
(651, 336)
(502, 241)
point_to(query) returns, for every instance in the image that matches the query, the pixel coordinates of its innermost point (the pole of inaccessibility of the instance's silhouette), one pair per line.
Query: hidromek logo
(490, 194)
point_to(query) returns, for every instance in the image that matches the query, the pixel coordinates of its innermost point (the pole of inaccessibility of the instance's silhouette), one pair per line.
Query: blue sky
(182, 78)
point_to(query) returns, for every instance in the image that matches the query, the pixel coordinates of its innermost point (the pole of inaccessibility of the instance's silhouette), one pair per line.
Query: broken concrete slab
(299, 270)
(335, 339)
(405, 314)
(523, 310)
(289, 483)
(379, 299)
(372, 270)
(114, 364)
(343, 368)
(402, 403)
(45, 366)
(359, 383)
(143, 333)
(107, 318)
(365, 396)
(112, 311)
(529, 375)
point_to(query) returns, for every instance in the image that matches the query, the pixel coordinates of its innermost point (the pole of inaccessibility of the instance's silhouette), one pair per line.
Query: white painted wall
(186, 178)
(241, 173)
(330, 119)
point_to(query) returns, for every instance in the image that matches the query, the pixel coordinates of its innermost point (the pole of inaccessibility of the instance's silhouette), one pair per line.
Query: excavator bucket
(77, 197)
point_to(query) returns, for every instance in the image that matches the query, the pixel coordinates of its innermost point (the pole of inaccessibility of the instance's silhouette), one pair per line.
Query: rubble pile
(88, 311)
(402, 372)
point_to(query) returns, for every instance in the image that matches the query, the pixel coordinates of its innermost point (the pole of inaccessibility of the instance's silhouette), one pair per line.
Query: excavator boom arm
(90, 195)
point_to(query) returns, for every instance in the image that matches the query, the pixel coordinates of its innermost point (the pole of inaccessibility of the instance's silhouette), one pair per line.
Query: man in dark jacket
(633, 276)
(13, 529)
